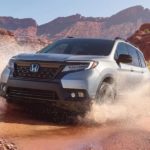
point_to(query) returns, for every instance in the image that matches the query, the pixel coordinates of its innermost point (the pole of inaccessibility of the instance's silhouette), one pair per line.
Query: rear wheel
(106, 93)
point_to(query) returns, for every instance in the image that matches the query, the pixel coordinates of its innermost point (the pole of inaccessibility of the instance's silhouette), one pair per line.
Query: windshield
(80, 47)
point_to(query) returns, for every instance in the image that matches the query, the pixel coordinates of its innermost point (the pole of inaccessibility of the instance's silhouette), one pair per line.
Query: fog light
(3, 88)
(81, 94)
(73, 95)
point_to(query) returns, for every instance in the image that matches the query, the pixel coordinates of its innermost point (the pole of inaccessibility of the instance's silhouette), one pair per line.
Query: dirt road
(31, 134)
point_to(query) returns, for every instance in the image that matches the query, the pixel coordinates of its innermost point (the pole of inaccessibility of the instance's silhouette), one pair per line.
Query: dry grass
(148, 64)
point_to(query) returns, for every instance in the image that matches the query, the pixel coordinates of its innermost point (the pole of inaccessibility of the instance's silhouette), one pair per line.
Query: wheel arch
(108, 79)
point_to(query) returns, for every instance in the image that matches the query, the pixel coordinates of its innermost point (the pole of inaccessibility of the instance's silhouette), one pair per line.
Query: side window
(141, 57)
(121, 49)
(133, 53)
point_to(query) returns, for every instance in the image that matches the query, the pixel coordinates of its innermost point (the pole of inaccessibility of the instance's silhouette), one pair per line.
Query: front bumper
(32, 91)
(46, 93)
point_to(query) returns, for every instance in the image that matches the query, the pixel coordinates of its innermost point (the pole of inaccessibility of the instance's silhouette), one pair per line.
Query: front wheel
(106, 93)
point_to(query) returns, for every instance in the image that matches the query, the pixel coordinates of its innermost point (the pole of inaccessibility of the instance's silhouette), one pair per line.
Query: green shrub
(147, 31)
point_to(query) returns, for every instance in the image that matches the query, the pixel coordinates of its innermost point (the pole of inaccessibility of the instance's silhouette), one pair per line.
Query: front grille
(31, 94)
(46, 70)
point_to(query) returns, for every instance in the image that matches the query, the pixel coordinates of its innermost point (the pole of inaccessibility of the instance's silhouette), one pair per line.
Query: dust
(135, 104)
(6, 52)
(3, 107)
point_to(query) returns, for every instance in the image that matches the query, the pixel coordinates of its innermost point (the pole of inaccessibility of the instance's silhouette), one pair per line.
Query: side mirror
(123, 58)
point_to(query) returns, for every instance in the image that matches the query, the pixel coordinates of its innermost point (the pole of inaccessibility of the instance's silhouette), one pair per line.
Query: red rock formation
(6, 32)
(141, 38)
(11, 23)
(9, 41)
(122, 24)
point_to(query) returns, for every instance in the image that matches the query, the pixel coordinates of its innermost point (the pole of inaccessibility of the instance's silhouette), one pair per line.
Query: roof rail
(70, 37)
(119, 38)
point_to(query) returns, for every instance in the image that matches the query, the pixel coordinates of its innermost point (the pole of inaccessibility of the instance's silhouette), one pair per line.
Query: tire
(106, 93)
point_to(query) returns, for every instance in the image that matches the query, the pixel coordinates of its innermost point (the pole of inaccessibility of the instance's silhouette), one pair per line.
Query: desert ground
(26, 132)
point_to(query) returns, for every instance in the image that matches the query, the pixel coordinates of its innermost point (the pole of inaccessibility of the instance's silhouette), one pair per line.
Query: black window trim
(121, 42)
(136, 50)
(143, 59)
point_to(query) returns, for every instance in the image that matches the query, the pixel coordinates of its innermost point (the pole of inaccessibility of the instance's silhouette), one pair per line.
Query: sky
(44, 11)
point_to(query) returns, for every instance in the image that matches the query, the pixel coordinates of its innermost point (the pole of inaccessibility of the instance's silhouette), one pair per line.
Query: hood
(55, 57)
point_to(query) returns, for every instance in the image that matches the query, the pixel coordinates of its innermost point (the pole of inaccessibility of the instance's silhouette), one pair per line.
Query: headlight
(10, 64)
(75, 66)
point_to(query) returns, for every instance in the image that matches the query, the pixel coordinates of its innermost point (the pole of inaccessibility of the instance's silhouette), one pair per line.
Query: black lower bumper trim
(31, 94)
(31, 89)
(71, 106)
(43, 93)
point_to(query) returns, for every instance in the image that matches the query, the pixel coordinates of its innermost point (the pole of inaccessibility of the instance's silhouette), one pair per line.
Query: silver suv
(72, 72)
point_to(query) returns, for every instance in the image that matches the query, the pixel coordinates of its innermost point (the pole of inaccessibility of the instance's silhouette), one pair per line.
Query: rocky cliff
(141, 38)
(122, 24)
(9, 42)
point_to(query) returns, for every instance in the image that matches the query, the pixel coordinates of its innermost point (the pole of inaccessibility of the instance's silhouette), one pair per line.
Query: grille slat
(46, 70)
(32, 94)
